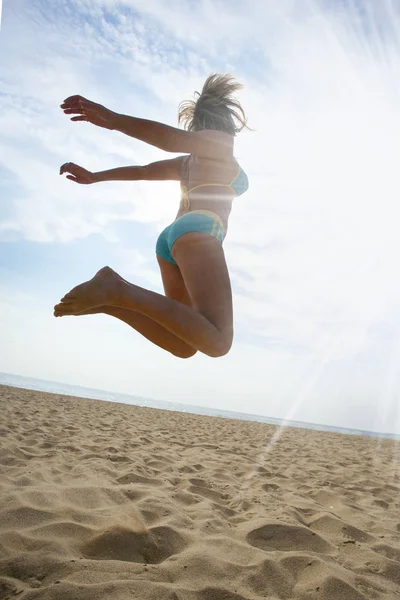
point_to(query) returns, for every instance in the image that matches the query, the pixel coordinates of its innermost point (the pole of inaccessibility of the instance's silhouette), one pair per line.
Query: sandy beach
(104, 500)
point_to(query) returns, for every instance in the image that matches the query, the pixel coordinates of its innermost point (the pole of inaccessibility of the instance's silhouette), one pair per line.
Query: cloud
(313, 245)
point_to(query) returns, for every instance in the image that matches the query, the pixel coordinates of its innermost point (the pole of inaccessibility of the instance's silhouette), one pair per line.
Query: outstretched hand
(97, 114)
(77, 173)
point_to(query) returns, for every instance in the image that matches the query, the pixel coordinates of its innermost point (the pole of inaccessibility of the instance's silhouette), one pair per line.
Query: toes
(67, 310)
(64, 309)
(72, 294)
(68, 297)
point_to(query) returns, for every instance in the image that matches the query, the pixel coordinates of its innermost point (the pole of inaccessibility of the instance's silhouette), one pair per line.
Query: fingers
(66, 167)
(75, 173)
(75, 108)
(75, 105)
(73, 111)
(71, 168)
(85, 110)
(74, 100)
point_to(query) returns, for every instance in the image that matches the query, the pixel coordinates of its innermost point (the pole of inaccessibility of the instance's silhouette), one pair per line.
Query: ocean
(83, 392)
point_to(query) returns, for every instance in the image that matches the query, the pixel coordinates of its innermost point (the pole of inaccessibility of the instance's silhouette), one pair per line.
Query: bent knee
(220, 350)
(185, 352)
(218, 353)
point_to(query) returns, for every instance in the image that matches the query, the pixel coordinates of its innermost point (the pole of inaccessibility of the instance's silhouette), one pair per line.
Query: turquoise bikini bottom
(204, 221)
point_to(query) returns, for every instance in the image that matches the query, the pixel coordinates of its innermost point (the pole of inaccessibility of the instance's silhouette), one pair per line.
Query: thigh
(174, 286)
(201, 260)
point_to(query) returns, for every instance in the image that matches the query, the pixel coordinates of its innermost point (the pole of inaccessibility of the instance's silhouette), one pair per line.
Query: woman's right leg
(206, 325)
(174, 288)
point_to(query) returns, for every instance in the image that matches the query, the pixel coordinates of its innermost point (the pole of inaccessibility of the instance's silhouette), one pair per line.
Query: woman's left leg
(148, 328)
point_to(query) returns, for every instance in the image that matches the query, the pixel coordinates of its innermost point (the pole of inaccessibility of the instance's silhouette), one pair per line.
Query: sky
(312, 247)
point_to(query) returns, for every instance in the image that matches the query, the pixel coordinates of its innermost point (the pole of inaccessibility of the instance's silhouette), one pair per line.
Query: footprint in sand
(130, 478)
(202, 488)
(186, 498)
(152, 546)
(119, 459)
(277, 536)
(388, 551)
(314, 579)
(333, 527)
(332, 588)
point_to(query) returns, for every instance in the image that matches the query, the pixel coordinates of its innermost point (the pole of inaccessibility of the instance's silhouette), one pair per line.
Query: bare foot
(98, 310)
(101, 290)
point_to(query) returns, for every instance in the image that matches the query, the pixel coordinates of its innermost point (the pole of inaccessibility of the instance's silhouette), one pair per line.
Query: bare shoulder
(213, 144)
(215, 135)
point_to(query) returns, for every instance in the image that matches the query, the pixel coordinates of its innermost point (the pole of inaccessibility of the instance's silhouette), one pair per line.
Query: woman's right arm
(208, 144)
(163, 170)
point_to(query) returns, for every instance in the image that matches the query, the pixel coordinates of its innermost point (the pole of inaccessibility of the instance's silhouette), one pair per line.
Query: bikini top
(239, 184)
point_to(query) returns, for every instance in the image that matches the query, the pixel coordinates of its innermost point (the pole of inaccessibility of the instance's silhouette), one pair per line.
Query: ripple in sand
(217, 593)
(333, 588)
(10, 587)
(270, 579)
(24, 516)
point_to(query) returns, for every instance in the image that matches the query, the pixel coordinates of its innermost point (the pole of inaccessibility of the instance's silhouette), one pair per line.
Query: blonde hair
(215, 108)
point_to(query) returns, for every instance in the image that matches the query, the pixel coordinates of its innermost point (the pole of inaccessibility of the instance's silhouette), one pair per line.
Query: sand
(105, 500)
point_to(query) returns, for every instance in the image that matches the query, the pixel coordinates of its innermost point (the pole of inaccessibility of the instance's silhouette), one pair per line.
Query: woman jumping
(196, 311)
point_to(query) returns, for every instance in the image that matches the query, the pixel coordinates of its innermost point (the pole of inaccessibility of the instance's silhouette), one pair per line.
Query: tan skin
(196, 312)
